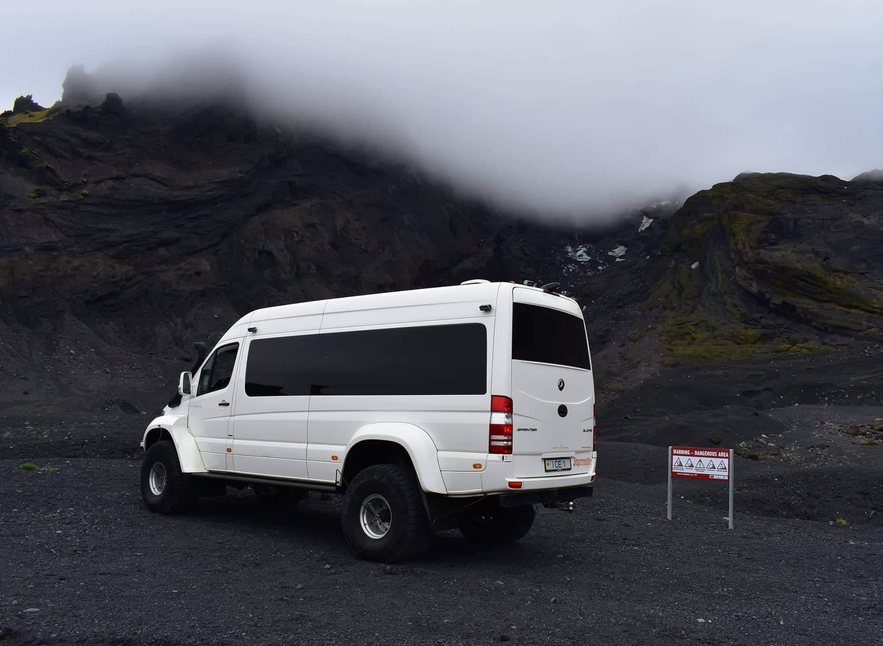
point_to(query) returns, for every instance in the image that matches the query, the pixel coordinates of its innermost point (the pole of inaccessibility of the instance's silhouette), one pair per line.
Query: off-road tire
(275, 495)
(498, 526)
(178, 493)
(409, 532)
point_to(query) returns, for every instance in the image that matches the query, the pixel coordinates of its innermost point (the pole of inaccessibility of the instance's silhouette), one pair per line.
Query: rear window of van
(544, 335)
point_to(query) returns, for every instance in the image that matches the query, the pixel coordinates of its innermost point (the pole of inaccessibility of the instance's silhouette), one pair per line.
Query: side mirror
(184, 383)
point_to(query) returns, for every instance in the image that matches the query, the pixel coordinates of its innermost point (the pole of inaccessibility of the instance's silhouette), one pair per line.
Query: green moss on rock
(31, 117)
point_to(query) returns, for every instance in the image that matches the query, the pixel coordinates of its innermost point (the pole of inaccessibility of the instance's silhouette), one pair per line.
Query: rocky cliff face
(764, 266)
(785, 263)
(130, 232)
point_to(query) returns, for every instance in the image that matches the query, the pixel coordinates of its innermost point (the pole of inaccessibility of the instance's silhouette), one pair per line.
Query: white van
(454, 407)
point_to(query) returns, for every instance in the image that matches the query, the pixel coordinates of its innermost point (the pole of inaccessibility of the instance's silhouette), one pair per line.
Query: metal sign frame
(731, 477)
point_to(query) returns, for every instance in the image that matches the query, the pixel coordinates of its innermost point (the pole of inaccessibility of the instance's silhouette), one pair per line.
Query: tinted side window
(545, 335)
(427, 360)
(218, 370)
(205, 375)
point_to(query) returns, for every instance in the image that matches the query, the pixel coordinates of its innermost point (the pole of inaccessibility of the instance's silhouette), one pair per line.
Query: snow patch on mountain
(580, 254)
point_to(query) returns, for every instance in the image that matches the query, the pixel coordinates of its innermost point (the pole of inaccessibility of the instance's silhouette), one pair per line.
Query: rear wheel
(383, 517)
(499, 525)
(164, 488)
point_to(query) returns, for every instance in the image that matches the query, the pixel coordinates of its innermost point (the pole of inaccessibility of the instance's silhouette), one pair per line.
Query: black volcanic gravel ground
(82, 561)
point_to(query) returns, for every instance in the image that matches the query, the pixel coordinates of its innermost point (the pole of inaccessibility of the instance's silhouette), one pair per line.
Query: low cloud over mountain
(568, 109)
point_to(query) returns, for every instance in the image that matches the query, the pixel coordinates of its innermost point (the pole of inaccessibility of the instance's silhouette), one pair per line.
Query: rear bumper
(545, 496)
(498, 477)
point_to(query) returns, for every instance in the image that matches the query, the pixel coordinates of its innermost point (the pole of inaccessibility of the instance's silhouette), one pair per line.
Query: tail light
(500, 430)
(594, 428)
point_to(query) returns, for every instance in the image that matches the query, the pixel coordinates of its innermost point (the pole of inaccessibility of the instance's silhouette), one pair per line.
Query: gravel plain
(82, 561)
(85, 562)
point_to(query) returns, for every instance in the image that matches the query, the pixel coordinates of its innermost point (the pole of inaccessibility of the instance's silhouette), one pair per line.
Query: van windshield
(545, 335)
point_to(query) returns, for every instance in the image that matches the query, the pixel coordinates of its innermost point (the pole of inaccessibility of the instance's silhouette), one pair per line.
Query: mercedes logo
(560, 384)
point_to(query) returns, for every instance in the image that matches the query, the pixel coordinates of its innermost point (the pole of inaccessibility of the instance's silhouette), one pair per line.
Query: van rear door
(553, 393)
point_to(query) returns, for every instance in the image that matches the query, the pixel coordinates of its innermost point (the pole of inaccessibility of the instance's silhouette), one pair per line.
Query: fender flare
(185, 443)
(417, 442)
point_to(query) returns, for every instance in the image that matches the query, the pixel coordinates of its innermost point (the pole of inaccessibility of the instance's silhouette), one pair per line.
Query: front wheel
(164, 488)
(498, 526)
(383, 516)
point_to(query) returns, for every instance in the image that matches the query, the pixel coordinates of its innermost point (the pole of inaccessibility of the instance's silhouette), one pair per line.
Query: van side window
(218, 370)
(544, 335)
(421, 360)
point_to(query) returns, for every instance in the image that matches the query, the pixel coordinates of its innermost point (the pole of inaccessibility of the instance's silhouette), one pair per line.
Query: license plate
(557, 464)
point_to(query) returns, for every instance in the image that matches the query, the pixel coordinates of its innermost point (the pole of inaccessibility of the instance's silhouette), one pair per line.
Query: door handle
(223, 403)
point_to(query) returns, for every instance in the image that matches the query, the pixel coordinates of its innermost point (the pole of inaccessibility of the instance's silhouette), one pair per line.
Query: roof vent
(475, 281)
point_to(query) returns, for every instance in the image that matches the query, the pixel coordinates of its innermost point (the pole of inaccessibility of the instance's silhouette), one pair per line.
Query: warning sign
(699, 463)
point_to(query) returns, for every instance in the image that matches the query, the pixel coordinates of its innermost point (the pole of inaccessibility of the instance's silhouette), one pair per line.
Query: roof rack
(549, 288)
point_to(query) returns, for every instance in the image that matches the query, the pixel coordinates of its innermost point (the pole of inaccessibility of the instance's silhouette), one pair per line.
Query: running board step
(268, 481)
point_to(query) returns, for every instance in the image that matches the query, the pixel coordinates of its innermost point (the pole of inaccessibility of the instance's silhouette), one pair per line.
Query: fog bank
(559, 109)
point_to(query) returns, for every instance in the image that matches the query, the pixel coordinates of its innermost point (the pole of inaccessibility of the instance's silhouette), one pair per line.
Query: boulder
(113, 105)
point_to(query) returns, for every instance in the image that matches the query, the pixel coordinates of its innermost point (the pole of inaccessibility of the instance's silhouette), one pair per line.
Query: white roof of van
(408, 298)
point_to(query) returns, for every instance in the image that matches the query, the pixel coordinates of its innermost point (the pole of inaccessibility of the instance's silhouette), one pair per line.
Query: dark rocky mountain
(777, 254)
(129, 232)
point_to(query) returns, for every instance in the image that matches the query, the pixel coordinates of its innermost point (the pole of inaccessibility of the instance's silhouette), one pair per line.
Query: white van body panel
(538, 391)
(286, 319)
(269, 434)
(297, 437)
(238, 331)
(501, 366)
(446, 304)
(209, 415)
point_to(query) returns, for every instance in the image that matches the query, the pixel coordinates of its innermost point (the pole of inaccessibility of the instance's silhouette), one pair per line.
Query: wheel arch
(174, 428)
(394, 443)
(154, 435)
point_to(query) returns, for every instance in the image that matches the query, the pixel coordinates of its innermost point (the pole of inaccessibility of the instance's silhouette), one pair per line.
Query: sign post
(700, 464)
(732, 486)
(669, 483)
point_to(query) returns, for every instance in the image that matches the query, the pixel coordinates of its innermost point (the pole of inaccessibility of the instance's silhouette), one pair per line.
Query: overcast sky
(558, 107)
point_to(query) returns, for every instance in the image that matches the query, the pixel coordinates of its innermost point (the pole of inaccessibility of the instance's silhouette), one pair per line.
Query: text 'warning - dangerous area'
(705, 464)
